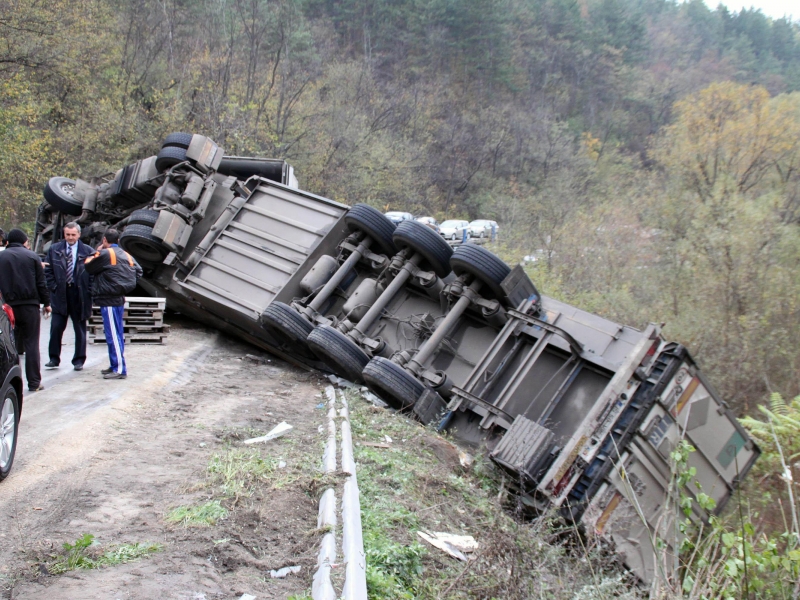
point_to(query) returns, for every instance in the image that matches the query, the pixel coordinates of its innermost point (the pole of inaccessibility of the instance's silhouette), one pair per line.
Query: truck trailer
(583, 414)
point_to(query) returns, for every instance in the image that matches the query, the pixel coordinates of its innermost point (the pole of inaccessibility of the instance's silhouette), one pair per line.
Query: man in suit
(70, 293)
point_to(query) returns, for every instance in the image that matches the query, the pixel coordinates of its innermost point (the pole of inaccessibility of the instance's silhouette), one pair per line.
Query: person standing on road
(115, 274)
(23, 286)
(71, 294)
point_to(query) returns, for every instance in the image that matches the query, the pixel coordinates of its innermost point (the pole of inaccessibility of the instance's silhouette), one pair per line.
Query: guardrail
(355, 582)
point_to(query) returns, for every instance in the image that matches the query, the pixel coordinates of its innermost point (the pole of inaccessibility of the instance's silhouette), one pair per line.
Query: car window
(453, 223)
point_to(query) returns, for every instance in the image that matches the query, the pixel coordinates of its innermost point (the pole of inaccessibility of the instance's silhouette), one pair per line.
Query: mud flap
(430, 407)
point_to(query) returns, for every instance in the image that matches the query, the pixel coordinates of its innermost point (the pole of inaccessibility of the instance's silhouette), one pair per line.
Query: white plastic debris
(374, 399)
(247, 597)
(281, 573)
(465, 459)
(280, 429)
(457, 546)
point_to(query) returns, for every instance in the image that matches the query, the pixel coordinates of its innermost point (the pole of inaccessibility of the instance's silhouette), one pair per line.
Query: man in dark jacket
(23, 287)
(115, 274)
(70, 293)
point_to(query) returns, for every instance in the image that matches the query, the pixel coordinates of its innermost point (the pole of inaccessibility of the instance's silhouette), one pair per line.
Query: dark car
(11, 398)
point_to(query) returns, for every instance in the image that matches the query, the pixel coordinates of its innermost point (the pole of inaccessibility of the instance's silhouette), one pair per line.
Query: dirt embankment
(114, 459)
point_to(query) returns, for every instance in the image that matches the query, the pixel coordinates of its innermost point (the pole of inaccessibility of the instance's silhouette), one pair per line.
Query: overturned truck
(581, 412)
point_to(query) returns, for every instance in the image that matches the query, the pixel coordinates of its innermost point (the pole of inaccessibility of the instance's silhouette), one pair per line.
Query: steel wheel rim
(68, 189)
(7, 419)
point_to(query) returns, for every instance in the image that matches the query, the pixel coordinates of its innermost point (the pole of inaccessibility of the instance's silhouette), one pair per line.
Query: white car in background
(482, 228)
(453, 229)
(397, 217)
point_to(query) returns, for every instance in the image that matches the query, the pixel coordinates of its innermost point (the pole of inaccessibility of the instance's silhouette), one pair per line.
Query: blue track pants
(115, 337)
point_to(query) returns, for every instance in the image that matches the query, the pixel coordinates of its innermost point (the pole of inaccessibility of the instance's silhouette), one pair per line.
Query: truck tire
(139, 242)
(169, 156)
(58, 193)
(393, 383)
(338, 351)
(423, 240)
(143, 217)
(482, 264)
(178, 140)
(288, 327)
(362, 217)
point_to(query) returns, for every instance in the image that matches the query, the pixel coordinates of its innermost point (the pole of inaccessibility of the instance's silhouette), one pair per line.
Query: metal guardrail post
(355, 583)
(321, 587)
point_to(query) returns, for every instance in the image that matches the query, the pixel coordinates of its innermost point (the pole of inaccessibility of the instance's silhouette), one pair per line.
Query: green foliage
(80, 555)
(203, 515)
(237, 472)
(778, 435)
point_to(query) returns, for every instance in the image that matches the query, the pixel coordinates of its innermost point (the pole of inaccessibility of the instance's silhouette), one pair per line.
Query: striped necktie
(70, 266)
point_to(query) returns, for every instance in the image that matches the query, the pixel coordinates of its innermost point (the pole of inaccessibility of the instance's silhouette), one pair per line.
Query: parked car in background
(11, 397)
(453, 229)
(396, 216)
(482, 228)
(430, 222)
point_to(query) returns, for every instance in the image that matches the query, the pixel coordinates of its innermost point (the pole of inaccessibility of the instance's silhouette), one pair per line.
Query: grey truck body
(581, 412)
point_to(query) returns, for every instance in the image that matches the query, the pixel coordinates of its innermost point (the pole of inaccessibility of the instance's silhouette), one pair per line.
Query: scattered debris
(387, 439)
(465, 459)
(281, 573)
(247, 597)
(457, 546)
(375, 444)
(280, 429)
(282, 464)
(340, 381)
(373, 398)
(257, 359)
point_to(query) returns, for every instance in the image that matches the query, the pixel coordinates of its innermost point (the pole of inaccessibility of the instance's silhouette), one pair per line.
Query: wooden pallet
(143, 321)
(98, 330)
(135, 339)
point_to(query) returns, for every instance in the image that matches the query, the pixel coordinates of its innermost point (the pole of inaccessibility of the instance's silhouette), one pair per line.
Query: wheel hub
(6, 432)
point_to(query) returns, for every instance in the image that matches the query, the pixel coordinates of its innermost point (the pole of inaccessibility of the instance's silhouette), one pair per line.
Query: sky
(771, 8)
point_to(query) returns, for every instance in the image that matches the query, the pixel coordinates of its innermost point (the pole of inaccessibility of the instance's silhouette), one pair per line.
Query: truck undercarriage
(581, 412)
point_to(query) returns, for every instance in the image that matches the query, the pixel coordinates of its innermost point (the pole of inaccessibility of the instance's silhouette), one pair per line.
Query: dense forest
(642, 155)
(646, 152)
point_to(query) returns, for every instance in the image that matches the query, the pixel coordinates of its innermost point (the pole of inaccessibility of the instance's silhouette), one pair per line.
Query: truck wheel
(9, 425)
(59, 194)
(362, 217)
(143, 217)
(169, 156)
(139, 241)
(338, 351)
(392, 383)
(288, 327)
(484, 265)
(178, 140)
(423, 240)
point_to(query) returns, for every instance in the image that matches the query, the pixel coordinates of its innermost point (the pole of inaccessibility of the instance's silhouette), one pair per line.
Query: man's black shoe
(114, 375)
(51, 365)
(107, 371)
(78, 367)
(37, 388)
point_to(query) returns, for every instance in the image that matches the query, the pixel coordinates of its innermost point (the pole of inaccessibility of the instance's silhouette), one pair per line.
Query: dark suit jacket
(56, 274)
